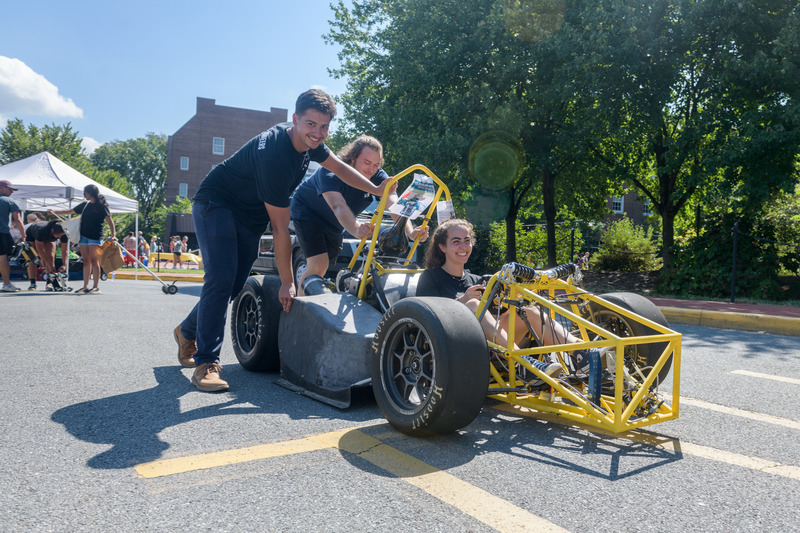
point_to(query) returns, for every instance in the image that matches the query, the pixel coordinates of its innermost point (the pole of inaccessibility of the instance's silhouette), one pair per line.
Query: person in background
(129, 243)
(9, 211)
(231, 210)
(93, 211)
(142, 247)
(177, 250)
(45, 235)
(33, 268)
(323, 206)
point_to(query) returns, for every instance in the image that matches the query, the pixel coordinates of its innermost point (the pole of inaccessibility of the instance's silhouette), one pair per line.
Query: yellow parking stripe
(761, 417)
(668, 443)
(765, 376)
(495, 512)
(178, 465)
(491, 510)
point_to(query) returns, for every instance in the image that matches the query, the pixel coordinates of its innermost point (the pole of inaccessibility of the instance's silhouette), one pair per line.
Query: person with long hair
(324, 206)
(445, 276)
(94, 211)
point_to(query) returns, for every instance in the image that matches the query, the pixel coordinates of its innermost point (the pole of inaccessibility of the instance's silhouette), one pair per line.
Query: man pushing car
(231, 210)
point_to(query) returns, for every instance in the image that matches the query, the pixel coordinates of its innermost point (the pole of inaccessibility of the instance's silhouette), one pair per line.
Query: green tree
(143, 164)
(470, 89)
(180, 205)
(18, 142)
(692, 95)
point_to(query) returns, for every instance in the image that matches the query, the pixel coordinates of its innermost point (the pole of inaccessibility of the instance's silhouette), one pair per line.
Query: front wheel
(644, 356)
(254, 324)
(430, 366)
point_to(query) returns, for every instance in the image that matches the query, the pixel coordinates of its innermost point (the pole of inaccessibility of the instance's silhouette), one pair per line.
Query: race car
(428, 361)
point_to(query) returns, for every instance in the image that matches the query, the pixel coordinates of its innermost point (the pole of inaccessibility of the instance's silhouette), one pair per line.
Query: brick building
(630, 205)
(214, 133)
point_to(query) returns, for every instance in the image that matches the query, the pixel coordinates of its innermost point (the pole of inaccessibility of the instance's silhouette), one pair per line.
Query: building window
(183, 190)
(184, 163)
(219, 146)
(617, 205)
(646, 211)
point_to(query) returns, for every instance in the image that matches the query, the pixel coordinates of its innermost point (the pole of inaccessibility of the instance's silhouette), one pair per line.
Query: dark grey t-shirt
(437, 282)
(7, 206)
(266, 169)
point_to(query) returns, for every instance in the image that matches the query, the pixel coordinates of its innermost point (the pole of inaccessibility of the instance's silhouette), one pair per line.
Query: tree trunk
(549, 199)
(511, 233)
(667, 234)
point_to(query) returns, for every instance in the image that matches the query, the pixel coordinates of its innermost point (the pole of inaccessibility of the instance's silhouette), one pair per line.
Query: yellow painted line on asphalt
(489, 509)
(495, 512)
(179, 465)
(752, 415)
(669, 443)
(765, 376)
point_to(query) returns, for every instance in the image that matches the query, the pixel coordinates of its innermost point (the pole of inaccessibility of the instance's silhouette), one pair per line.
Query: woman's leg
(94, 264)
(87, 264)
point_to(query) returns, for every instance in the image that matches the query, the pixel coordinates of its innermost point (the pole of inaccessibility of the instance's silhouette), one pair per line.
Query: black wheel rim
(247, 324)
(408, 366)
(620, 327)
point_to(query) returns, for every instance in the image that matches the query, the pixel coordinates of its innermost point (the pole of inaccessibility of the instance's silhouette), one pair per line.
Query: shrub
(704, 267)
(626, 247)
(490, 250)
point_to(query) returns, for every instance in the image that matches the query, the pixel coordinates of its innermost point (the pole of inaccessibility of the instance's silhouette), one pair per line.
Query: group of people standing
(42, 236)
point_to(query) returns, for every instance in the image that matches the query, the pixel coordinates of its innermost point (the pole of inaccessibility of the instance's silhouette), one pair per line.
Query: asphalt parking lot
(103, 431)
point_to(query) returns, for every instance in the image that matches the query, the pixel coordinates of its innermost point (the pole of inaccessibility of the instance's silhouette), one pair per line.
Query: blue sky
(118, 70)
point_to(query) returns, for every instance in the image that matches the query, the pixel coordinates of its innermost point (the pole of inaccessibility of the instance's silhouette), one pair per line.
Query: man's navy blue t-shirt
(309, 204)
(265, 170)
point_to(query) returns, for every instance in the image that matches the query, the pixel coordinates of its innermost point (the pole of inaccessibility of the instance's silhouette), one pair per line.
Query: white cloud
(25, 92)
(90, 145)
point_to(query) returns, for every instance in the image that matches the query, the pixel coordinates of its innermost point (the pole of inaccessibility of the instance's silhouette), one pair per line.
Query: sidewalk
(778, 319)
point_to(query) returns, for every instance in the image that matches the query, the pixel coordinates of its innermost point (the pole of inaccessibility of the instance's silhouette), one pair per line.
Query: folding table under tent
(45, 182)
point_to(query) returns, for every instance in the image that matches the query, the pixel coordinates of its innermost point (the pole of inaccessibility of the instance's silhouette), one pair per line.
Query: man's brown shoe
(186, 349)
(206, 377)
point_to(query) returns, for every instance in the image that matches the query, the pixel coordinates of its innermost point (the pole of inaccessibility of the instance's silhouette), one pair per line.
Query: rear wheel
(254, 324)
(430, 366)
(643, 356)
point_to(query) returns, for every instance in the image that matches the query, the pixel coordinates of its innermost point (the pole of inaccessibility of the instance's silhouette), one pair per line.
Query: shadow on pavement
(132, 422)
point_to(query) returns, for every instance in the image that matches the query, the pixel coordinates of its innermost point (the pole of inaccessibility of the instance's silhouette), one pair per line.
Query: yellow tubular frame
(613, 413)
(376, 221)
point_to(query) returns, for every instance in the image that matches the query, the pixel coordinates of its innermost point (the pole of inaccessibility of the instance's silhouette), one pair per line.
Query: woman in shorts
(94, 211)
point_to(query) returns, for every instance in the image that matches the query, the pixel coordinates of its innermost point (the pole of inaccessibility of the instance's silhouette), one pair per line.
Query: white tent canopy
(46, 182)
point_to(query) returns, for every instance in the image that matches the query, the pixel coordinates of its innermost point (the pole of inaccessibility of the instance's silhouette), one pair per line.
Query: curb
(778, 325)
(144, 276)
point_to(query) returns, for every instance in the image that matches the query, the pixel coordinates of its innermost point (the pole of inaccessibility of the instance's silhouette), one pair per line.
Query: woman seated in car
(445, 276)
(323, 206)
